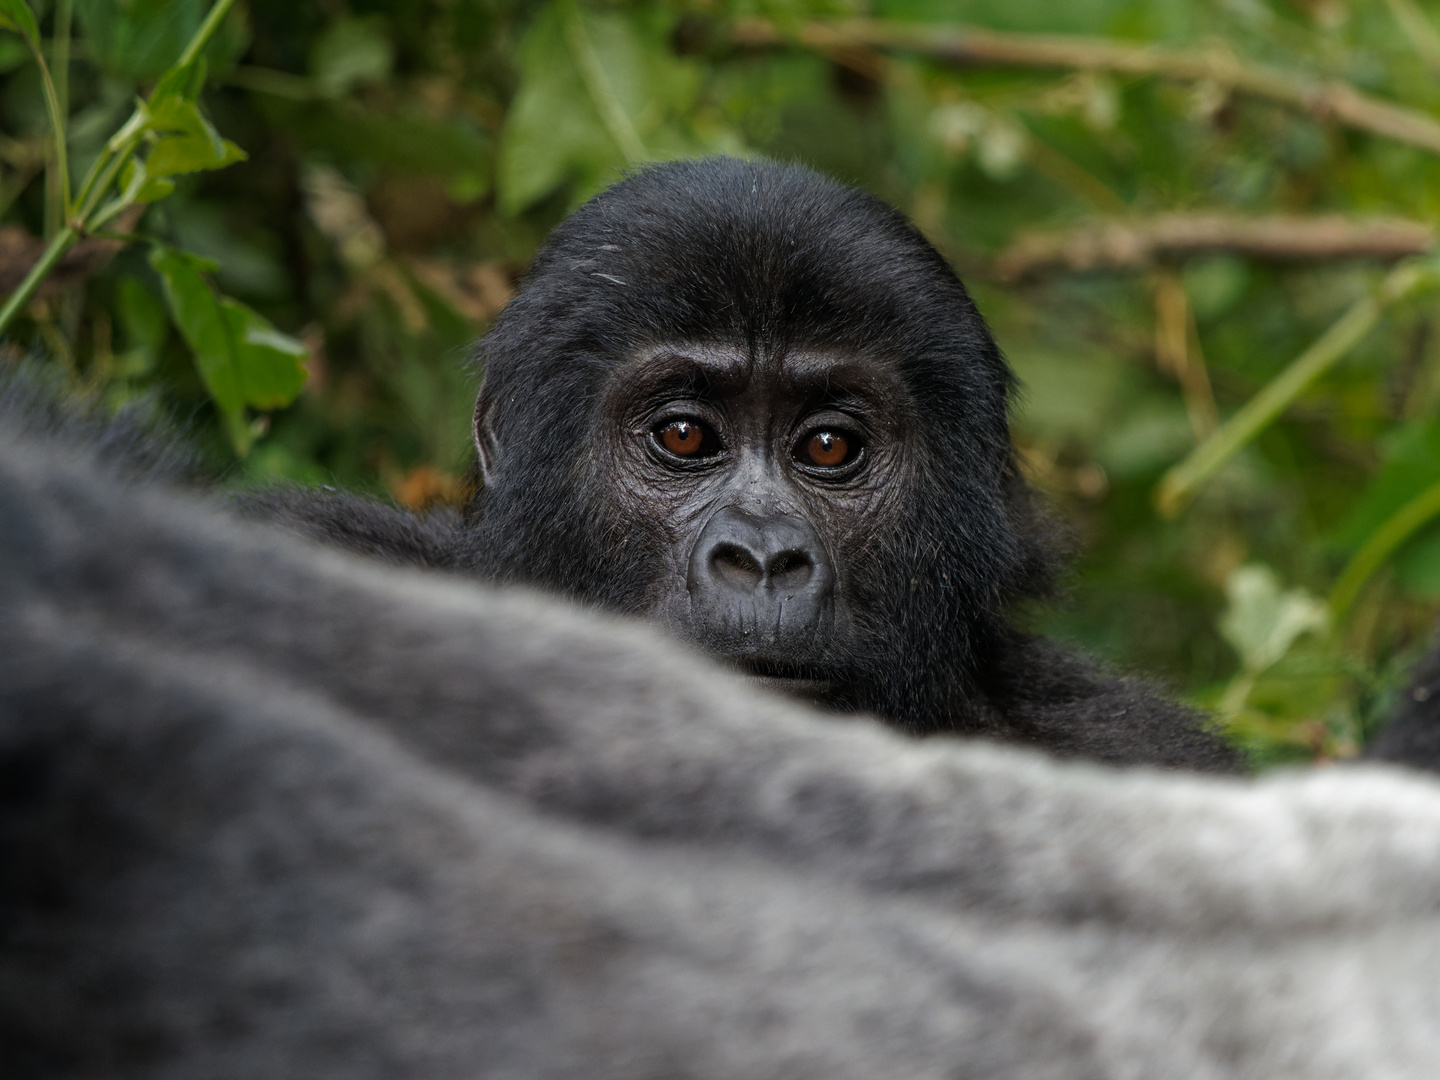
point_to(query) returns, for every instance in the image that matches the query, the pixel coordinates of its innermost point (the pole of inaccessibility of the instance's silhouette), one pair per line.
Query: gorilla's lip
(787, 679)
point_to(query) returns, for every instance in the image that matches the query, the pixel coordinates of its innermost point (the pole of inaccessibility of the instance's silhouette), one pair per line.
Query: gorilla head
(757, 406)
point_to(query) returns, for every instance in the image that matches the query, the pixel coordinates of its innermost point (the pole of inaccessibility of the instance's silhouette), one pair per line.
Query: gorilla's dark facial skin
(756, 406)
(764, 478)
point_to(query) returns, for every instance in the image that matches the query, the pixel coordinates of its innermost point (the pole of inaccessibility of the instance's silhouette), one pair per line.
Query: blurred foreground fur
(271, 811)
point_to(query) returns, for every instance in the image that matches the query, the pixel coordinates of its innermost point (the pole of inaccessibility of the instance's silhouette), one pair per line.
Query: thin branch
(1125, 245)
(970, 46)
(1177, 350)
(1178, 485)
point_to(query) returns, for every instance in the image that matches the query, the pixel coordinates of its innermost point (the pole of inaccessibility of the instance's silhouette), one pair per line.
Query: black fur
(1412, 737)
(772, 260)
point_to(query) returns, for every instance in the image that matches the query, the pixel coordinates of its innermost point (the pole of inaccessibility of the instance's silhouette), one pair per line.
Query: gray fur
(273, 811)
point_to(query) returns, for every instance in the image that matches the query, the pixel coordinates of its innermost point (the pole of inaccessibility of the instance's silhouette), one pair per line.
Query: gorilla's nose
(764, 573)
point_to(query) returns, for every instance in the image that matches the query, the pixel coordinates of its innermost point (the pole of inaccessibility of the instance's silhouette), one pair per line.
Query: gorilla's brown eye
(686, 438)
(827, 449)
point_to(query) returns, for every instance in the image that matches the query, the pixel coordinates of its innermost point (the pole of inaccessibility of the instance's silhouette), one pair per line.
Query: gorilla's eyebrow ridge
(697, 372)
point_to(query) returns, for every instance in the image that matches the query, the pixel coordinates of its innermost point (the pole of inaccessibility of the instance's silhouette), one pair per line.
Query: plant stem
(92, 193)
(60, 53)
(57, 187)
(1398, 528)
(206, 32)
(62, 242)
(78, 219)
(1179, 484)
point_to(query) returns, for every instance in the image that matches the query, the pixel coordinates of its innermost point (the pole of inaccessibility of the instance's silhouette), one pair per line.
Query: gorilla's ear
(483, 429)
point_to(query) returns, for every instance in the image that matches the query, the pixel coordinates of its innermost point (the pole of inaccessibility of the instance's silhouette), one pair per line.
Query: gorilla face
(756, 406)
(767, 475)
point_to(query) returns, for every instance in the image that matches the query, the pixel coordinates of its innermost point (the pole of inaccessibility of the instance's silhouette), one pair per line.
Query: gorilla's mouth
(791, 680)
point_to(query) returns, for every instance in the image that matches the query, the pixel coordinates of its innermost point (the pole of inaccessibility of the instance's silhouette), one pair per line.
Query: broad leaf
(241, 357)
(139, 39)
(1264, 620)
(137, 185)
(554, 130)
(187, 141)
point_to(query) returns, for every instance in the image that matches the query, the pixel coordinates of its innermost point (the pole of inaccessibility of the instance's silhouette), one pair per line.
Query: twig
(971, 46)
(1177, 350)
(1115, 245)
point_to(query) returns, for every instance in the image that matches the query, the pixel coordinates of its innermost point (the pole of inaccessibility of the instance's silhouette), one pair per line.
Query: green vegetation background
(406, 157)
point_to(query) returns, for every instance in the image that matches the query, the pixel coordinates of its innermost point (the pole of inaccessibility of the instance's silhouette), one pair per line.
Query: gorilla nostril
(791, 568)
(737, 565)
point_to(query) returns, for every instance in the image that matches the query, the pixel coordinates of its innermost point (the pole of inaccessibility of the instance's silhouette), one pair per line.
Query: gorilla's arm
(360, 525)
(1058, 699)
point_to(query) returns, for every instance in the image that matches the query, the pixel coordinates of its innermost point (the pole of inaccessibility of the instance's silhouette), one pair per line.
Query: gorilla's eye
(687, 438)
(827, 449)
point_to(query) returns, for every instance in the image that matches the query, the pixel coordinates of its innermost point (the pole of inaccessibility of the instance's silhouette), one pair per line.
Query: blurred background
(1202, 231)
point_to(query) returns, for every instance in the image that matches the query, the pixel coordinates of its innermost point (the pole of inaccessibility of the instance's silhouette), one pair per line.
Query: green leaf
(555, 131)
(16, 15)
(242, 359)
(552, 126)
(272, 369)
(137, 40)
(187, 142)
(139, 186)
(1263, 620)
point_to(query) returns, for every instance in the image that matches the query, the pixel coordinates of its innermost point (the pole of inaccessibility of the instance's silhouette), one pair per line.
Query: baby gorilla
(756, 406)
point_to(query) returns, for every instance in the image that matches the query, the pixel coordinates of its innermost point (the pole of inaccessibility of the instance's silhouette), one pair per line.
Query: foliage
(1202, 230)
